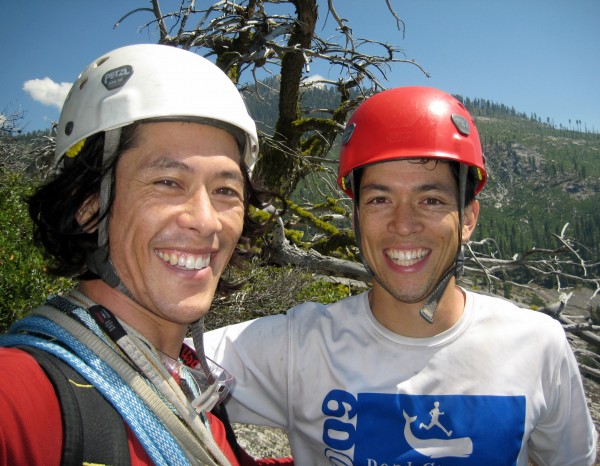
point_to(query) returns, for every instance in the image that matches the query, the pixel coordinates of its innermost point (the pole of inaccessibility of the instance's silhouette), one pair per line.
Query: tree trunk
(277, 166)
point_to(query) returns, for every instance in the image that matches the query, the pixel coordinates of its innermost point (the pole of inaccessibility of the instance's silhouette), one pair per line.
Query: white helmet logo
(117, 77)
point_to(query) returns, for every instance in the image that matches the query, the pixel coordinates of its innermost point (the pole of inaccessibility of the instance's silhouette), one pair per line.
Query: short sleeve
(31, 424)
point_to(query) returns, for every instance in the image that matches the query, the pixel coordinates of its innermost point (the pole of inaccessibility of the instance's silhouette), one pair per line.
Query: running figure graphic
(435, 414)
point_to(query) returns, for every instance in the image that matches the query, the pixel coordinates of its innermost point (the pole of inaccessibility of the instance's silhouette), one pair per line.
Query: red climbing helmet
(410, 122)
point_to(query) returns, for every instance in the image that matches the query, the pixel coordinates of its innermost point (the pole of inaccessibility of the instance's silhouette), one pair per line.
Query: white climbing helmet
(151, 81)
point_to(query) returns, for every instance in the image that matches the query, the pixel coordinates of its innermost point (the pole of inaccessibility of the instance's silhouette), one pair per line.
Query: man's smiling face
(408, 214)
(177, 216)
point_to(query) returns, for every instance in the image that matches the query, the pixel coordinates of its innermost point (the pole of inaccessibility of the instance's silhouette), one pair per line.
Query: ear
(470, 217)
(85, 214)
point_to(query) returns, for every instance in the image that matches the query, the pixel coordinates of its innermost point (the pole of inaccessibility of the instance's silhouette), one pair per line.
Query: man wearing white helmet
(150, 200)
(417, 370)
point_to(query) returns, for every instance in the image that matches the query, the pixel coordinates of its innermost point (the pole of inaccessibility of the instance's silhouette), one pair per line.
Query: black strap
(93, 431)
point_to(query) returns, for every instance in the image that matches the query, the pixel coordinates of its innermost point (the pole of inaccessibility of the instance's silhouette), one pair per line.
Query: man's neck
(165, 336)
(405, 318)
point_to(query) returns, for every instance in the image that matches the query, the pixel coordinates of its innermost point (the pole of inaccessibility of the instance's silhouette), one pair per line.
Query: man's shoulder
(502, 310)
(17, 361)
(343, 307)
(25, 392)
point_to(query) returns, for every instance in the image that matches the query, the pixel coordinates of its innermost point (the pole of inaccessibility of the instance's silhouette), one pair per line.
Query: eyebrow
(423, 188)
(166, 162)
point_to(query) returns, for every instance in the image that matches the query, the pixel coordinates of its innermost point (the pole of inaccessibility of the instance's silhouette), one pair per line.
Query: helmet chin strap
(99, 261)
(456, 270)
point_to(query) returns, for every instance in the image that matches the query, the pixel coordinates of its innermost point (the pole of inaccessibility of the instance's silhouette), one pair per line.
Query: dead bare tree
(563, 264)
(18, 153)
(282, 38)
(12, 122)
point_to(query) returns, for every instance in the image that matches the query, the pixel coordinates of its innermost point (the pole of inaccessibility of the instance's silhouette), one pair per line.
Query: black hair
(471, 181)
(54, 207)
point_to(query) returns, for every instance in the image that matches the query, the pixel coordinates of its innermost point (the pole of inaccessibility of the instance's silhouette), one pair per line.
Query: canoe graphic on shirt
(436, 447)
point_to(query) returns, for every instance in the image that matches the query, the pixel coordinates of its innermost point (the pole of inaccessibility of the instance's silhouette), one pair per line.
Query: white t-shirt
(498, 386)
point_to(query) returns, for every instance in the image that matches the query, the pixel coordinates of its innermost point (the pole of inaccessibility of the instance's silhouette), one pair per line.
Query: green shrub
(507, 290)
(24, 282)
(536, 301)
(323, 292)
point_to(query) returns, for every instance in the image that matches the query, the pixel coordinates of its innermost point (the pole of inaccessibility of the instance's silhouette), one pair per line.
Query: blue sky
(538, 56)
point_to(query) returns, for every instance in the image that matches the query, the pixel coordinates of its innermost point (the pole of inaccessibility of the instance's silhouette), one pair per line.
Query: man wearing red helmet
(417, 370)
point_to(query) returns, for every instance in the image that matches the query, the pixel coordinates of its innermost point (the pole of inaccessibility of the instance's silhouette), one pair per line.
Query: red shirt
(31, 423)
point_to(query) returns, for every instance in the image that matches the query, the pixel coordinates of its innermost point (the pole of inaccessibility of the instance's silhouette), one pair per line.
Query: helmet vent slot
(101, 61)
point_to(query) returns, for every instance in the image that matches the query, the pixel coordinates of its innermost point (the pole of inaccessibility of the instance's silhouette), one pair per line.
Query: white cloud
(47, 92)
(315, 77)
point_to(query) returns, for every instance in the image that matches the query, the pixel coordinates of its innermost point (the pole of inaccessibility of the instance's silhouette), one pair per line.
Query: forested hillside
(541, 177)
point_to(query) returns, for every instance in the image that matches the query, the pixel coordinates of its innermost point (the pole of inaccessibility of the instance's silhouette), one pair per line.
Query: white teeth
(186, 261)
(190, 262)
(407, 258)
(202, 262)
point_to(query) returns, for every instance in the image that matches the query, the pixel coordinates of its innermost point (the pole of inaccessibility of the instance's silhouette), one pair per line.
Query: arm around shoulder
(256, 354)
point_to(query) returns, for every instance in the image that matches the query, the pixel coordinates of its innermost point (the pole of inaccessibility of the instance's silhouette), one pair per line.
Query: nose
(199, 213)
(405, 219)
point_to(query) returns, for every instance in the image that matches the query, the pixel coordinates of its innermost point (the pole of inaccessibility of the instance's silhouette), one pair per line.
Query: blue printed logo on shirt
(383, 429)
